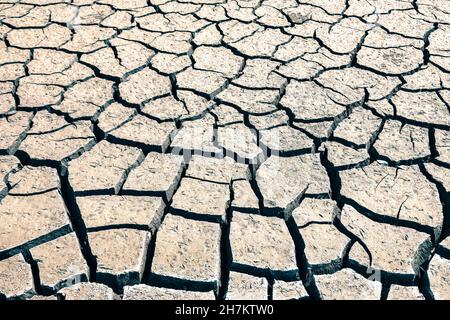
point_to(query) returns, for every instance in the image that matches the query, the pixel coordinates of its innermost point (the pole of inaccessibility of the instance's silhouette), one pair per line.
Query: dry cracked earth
(224, 149)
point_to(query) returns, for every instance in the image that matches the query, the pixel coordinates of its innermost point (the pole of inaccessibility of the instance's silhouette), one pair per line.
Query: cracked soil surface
(224, 149)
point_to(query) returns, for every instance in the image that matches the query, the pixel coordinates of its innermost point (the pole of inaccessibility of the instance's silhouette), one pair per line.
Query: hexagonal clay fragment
(428, 77)
(48, 61)
(202, 197)
(144, 292)
(207, 82)
(209, 35)
(250, 100)
(103, 167)
(25, 218)
(51, 138)
(216, 170)
(8, 164)
(314, 210)
(392, 61)
(89, 37)
(282, 180)
(351, 83)
(284, 139)
(343, 157)
(270, 16)
(32, 180)
(323, 243)
(402, 142)
(35, 95)
(196, 137)
(102, 211)
(158, 173)
(401, 193)
(358, 127)
(408, 25)
(276, 120)
(340, 38)
(235, 30)
(129, 56)
(120, 252)
(165, 108)
(59, 260)
(439, 273)
(173, 42)
(309, 101)
(53, 35)
(13, 128)
(168, 63)
(85, 98)
(261, 43)
(218, 59)
(244, 197)
(88, 291)
(143, 86)
(114, 116)
(432, 109)
(246, 287)
(146, 131)
(288, 290)
(300, 69)
(15, 276)
(347, 285)
(393, 248)
(187, 249)
(320, 129)
(397, 292)
(258, 73)
(262, 242)
(239, 140)
(53, 69)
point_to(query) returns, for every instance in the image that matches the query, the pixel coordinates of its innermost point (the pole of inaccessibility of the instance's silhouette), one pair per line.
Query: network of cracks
(224, 149)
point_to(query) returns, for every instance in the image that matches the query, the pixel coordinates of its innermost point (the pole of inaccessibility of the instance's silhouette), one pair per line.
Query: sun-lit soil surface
(222, 149)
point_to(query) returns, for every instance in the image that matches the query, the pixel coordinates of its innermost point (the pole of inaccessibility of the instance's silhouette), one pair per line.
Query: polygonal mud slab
(289, 290)
(101, 211)
(144, 292)
(245, 287)
(104, 167)
(219, 119)
(400, 193)
(120, 252)
(15, 276)
(392, 248)
(438, 272)
(347, 285)
(59, 261)
(158, 174)
(187, 249)
(202, 197)
(87, 291)
(262, 242)
(27, 218)
(283, 180)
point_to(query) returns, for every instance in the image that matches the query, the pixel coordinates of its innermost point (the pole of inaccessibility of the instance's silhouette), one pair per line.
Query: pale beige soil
(224, 149)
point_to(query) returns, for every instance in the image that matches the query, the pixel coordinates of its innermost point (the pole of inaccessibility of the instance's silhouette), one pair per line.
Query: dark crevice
(67, 193)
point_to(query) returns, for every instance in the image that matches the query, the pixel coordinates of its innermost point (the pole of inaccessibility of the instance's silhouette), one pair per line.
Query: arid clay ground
(224, 149)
